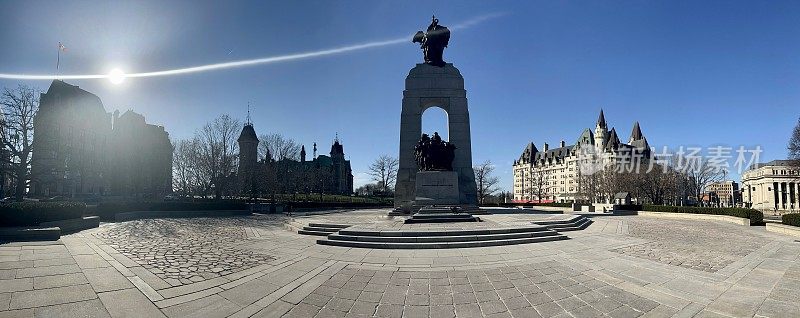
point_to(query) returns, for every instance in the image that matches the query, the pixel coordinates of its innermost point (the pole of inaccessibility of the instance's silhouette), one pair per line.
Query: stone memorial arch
(433, 86)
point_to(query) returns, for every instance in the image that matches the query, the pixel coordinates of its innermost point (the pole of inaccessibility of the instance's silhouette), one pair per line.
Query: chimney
(562, 144)
(546, 147)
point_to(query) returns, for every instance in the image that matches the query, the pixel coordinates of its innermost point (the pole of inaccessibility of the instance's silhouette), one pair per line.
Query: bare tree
(324, 180)
(538, 183)
(18, 107)
(487, 183)
(701, 175)
(384, 171)
(279, 147)
(657, 183)
(794, 144)
(219, 151)
(188, 170)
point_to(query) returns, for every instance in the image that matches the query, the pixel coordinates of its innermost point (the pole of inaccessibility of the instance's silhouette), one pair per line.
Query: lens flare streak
(244, 63)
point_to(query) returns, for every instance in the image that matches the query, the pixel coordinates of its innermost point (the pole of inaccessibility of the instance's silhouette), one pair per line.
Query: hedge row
(755, 216)
(293, 206)
(33, 213)
(792, 219)
(107, 210)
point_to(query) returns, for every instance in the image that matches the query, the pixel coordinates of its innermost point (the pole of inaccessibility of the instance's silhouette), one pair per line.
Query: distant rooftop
(775, 163)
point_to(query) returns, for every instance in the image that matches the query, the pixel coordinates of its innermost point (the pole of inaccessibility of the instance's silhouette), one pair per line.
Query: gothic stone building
(140, 157)
(323, 174)
(80, 150)
(554, 172)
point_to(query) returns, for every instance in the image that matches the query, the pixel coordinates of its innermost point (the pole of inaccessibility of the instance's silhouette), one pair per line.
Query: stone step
(562, 221)
(440, 215)
(442, 219)
(576, 227)
(427, 210)
(453, 232)
(330, 225)
(320, 229)
(440, 245)
(573, 224)
(436, 239)
(312, 232)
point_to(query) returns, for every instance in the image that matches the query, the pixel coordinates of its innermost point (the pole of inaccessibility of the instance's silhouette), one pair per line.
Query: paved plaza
(620, 266)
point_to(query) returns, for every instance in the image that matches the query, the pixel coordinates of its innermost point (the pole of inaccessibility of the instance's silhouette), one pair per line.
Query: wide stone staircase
(444, 238)
(318, 229)
(441, 214)
(575, 223)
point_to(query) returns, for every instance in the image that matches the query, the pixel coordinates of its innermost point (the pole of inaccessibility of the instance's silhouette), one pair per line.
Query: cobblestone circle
(536, 290)
(683, 243)
(184, 251)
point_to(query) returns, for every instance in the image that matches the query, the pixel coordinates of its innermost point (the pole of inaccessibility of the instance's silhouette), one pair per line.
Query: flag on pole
(61, 47)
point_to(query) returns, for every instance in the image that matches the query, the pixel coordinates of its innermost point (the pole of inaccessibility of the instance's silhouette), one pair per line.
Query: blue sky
(693, 73)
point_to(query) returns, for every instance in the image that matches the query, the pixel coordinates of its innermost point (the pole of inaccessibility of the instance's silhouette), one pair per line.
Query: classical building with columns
(552, 174)
(773, 186)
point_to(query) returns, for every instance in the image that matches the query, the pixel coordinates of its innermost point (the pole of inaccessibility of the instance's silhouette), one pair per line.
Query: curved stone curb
(48, 231)
(783, 229)
(24, 234)
(129, 216)
(692, 216)
(74, 225)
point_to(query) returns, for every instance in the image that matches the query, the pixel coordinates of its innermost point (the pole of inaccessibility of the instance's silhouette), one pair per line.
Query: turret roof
(601, 121)
(636, 133)
(248, 134)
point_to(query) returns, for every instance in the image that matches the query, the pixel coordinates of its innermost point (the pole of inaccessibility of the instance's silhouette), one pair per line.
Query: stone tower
(248, 158)
(431, 86)
(600, 132)
(338, 165)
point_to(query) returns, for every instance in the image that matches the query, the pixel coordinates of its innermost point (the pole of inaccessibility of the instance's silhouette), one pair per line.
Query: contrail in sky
(243, 63)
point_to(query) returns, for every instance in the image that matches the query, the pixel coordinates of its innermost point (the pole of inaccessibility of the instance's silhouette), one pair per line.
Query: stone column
(777, 201)
(797, 194)
(793, 195)
(784, 204)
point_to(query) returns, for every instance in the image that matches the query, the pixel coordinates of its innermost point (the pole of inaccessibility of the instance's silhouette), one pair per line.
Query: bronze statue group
(433, 154)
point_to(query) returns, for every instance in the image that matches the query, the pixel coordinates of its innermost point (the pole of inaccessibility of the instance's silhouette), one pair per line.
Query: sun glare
(116, 76)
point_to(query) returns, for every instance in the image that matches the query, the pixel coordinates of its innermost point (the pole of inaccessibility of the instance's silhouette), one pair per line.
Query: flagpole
(58, 57)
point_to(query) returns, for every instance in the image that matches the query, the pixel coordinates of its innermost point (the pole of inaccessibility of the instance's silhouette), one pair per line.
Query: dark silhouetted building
(323, 174)
(77, 151)
(140, 160)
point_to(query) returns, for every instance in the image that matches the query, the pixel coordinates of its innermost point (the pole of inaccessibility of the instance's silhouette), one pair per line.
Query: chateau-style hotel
(556, 170)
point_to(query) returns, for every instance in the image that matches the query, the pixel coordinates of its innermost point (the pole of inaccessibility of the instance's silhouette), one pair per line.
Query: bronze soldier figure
(433, 42)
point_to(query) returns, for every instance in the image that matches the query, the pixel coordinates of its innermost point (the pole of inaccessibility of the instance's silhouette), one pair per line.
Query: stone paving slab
(620, 266)
(129, 303)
